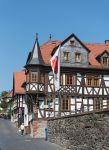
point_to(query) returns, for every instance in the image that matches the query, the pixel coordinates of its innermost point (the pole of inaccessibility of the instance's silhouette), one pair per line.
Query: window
(65, 104)
(42, 79)
(96, 82)
(49, 103)
(89, 81)
(66, 56)
(77, 57)
(34, 76)
(62, 79)
(92, 81)
(97, 104)
(106, 61)
(70, 80)
(27, 77)
(72, 42)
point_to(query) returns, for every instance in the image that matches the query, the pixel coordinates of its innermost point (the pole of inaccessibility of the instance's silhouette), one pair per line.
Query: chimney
(107, 42)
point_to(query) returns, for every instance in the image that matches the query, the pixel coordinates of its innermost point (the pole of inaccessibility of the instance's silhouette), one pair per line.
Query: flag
(55, 64)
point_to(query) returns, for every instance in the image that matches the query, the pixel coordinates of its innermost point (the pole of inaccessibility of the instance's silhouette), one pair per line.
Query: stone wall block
(81, 132)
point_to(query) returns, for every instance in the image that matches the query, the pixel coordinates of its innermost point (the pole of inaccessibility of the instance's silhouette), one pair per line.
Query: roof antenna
(50, 37)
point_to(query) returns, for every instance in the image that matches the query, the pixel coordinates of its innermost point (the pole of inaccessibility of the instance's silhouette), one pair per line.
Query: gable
(103, 54)
(77, 41)
(103, 58)
(75, 51)
(67, 41)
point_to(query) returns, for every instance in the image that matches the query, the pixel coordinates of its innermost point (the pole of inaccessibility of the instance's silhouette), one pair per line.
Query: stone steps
(39, 128)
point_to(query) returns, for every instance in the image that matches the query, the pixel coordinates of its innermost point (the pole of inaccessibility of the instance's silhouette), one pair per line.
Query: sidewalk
(26, 142)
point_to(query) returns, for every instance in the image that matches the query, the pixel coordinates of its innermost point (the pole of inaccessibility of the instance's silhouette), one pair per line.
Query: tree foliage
(4, 93)
(3, 103)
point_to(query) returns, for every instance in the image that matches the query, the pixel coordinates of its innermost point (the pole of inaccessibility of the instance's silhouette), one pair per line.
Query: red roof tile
(95, 50)
(19, 79)
(46, 50)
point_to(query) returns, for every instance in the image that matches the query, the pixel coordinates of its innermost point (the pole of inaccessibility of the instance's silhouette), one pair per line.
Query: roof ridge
(50, 41)
(19, 71)
(93, 43)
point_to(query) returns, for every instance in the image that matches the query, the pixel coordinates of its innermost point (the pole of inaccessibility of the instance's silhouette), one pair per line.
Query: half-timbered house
(19, 107)
(84, 79)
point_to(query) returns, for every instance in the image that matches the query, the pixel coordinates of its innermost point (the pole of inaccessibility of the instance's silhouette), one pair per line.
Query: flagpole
(55, 64)
(59, 94)
(59, 98)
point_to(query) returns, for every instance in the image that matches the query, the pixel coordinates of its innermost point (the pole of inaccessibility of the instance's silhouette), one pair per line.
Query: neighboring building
(19, 106)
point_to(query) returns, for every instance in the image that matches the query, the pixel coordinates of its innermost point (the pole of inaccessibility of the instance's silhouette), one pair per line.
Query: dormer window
(78, 57)
(105, 61)
(66, 56)
(72, 42)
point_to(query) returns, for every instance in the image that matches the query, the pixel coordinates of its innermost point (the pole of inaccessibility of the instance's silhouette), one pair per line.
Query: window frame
(72, 43)
(76, 58)
(42, 77)
(105, 62)
(49, 103)
(67, 57)
(28, 77)
(61, 80)
(93, 81)
(65, 104)
(69, 79)
(33, 78)
(97, 104)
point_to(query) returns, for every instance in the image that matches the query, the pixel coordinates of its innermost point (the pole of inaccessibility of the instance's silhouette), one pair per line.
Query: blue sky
(21, 19)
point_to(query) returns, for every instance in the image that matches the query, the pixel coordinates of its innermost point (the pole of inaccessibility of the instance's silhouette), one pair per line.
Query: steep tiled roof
(19, 79)
(35, 57)
(46, 50)
(95, 50)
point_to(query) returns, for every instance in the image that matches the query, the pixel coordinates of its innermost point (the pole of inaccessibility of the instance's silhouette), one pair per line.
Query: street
(10, 139)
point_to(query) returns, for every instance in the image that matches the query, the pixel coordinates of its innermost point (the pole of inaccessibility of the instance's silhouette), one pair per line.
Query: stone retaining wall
(81, 132)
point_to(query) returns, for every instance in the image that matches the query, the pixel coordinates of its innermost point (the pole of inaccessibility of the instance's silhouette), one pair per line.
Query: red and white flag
(55, 64)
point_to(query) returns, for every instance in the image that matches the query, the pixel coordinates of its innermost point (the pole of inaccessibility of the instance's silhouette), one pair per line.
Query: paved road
(11, 140)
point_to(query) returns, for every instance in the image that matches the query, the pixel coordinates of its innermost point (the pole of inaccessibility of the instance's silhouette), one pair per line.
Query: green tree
(4, 93)
(3, 103)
